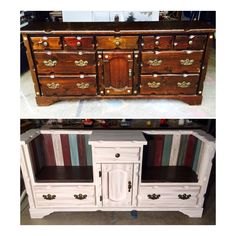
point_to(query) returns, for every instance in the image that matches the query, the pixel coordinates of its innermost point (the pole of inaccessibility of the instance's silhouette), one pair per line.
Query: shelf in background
(65, 174)
(168, 174)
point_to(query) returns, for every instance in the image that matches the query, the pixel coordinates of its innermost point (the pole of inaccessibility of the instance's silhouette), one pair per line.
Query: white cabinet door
(117, 184)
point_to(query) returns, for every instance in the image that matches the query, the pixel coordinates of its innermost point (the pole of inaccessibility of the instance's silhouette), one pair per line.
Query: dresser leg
(191, 100)
(39, 213)
(193, 212)
(46, 101)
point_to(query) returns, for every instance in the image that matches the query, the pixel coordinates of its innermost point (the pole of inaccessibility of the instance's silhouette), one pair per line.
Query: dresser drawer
(168, 196)
(112, 42)
(117, 154)
(45, 43)
(64, 196)
(78, 42)
(172, 84)
(68, 85)
(157, 42)
(190, 42)
(171, 61)
(65, 62)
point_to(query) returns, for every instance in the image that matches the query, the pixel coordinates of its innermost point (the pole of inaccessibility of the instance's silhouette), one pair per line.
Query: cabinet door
(117, 184)
(118, 73)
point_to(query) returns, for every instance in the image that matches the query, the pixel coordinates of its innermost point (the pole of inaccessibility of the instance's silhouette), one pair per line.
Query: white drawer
(117, 154)
(168, 196)
(64, 196)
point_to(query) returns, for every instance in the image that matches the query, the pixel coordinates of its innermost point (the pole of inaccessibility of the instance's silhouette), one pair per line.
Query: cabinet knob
(79, 44)
(45, 44)
(190, 42)
(117, 155)
(117, 43)
(157, 43)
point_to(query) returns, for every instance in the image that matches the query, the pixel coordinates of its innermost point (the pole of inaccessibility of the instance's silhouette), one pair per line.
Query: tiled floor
(121, 108)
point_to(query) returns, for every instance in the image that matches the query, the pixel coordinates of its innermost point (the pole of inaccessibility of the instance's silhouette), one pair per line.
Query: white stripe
(56, 140)
(174, 150)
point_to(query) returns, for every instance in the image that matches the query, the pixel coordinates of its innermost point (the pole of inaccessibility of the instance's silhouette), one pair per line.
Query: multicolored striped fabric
(60, 150)
(157, 151)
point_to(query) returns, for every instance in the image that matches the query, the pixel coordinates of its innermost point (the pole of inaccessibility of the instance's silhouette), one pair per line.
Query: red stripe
(65, 149)
(190, 151)
(159, 144)
(81, 150)
(49, 152)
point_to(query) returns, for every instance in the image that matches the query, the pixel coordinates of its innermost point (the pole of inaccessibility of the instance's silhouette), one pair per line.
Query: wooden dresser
(166, 60)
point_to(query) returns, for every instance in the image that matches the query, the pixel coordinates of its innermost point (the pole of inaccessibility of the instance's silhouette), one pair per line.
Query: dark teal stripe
(88, 151)
(197, 154)
(182, 149)
(166, 150)
(74, 155)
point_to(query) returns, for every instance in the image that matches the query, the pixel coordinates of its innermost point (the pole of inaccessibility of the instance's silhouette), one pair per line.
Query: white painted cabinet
(76, 170)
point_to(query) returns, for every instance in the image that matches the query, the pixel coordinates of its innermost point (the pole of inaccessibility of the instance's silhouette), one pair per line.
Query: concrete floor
(124, 218)
(121, 108)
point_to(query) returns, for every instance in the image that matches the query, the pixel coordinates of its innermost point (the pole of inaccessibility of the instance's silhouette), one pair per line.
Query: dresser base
(189, 99)
(193, 212)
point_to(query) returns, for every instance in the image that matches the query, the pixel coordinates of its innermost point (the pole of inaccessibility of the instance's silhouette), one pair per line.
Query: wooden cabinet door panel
(117, 184)
(118, 73)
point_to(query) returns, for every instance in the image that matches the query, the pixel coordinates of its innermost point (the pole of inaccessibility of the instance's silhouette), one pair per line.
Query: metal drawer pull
(80, 196)
(184, 196)
(154, 84)
(129, 186)
(49, 197)
(53, 86)
(183, 84)
(117, 155)
(82, 85)
(50, 63)
(187, 62)
(155, 62)
(81, 63)
(153, 196)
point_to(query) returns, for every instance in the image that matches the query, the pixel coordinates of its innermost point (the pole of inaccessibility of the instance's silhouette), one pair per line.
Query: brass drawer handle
(49, 197)
(183, 84)
(153, 196)
(154, 84)
(50, 63)
(80, 196)
(184, 196)
(81, 63)
(155, 62)
(53, 85)
(82, 85)
(129, 186)
(187, 62)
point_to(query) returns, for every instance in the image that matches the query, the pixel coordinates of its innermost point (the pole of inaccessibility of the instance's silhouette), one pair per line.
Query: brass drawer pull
(81, 63)
(184, 196)
(53, 85)
(129, 186)
(153, 196)
(154, 84)
(187, 62)
(50, 63)
(82, 85)
(183, 84)
(80, 196)
(155, 62)
(49, 197)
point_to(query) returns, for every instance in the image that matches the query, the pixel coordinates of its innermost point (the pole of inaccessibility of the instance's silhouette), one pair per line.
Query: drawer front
(171, 62)
(64, 196)
(168, 196)
(190, 42)
(112, 42)
(45, 43)
(65, 62)
(117, 154)
(157, 42)
(78, 42)
(83, 85)
(169, 84)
